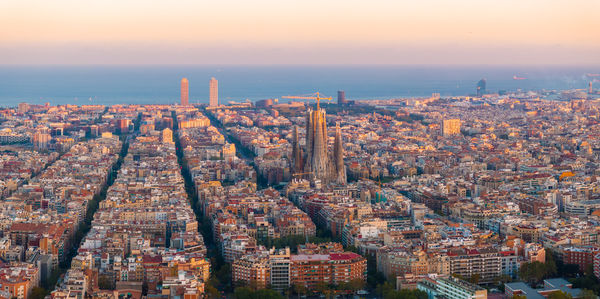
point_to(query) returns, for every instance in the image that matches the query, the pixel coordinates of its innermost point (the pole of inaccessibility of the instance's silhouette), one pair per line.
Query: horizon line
(310, 64)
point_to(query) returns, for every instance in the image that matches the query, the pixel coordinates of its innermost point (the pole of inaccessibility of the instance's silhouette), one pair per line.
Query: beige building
(185, 92)
(214, 92)
(451, 127)
(167, 136)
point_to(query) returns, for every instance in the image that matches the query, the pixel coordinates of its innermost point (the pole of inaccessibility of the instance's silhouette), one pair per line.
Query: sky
(300, 32)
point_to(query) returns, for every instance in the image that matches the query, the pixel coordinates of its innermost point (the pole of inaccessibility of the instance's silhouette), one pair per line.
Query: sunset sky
(296, 32)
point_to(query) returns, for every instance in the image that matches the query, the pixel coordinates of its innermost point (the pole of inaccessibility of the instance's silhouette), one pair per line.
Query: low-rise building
(450, 287)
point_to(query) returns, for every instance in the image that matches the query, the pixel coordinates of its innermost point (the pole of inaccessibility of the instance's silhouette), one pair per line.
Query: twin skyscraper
(213, 86)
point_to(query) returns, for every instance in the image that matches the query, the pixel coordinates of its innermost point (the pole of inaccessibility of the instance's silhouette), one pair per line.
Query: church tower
(296, 152)
(338, 156)
(316, 145)
(319, 163)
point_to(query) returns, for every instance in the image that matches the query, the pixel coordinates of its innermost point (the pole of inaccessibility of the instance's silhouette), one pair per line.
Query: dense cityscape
(489, 195)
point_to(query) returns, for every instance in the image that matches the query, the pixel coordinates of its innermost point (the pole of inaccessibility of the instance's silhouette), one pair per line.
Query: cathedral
(318, 162)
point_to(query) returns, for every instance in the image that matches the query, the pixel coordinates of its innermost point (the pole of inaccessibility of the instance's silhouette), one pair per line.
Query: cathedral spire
(338, 154)
(296, 153)
(319, 161)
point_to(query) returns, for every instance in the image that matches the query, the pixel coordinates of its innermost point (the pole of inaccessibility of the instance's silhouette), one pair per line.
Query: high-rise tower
(481, 85)
(185, 92)
(341, 97)
(214, 92)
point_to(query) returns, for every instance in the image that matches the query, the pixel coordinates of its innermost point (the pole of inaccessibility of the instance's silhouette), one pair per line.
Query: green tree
(456, 275)
(474, 279)
(383, 289)
(253, 284)
(300, 289)
(38, 293)
(589, 270)
(587, 294)
(559, 295)
(565, 270)
(536, 271)
(211, 291)
(405, 294)
(356, 284)
(248, 293)
(321, 287)
(224, 273)
(374, 277)
(329, 291)
(588, 282)
(343, 286)
(267, 294)
(504, 279)
(243, 293)
(105, 283)
(550, 266)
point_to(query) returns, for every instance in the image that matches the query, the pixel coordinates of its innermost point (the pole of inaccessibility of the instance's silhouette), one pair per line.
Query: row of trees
(250, 292)
(585, 294)
(220, 271)
(387, 290)
(535, 272)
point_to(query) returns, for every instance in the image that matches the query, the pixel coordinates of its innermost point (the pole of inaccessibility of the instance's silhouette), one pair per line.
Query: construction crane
(315, 96)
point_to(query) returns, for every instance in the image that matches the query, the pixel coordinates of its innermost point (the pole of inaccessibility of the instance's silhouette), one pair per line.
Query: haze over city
(300, 32)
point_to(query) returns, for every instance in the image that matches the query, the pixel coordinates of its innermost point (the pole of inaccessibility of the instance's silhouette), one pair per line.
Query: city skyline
(428, 185)
(272, 32)
(375, 149)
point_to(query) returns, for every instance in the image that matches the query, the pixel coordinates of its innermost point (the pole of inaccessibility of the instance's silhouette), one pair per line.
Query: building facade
(185, 92)
(451, 127)
(311, 269)
(213, 86)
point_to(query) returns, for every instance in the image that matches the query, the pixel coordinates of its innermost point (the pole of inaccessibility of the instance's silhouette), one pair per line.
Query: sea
(160, 84)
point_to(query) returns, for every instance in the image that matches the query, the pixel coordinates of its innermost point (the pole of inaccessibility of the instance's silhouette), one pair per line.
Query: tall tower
(319, 162)
(296, 152)
(481, 85)
(185, 92)
(316, 144)
(591, 88)
(214, 92)
(341, 97)
(338, 156)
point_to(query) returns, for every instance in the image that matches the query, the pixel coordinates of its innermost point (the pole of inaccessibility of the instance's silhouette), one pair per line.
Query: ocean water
(160, 84)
